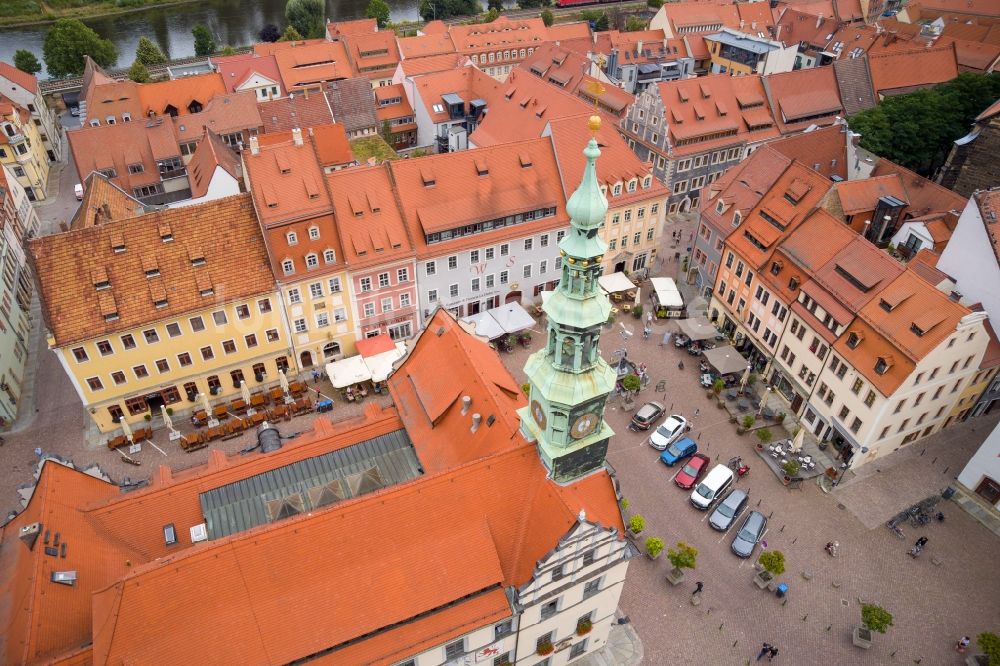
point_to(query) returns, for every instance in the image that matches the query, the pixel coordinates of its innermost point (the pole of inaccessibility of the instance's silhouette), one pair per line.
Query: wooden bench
(194, 441)
(115, 442)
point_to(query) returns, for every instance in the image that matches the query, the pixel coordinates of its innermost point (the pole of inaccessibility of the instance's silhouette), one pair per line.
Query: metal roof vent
(29, 534)
(268, 438)
(64, 577)
(476, 420)
(466, 404)
(199, 533)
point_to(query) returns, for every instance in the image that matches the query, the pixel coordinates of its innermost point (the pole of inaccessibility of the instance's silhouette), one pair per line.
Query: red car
(692, 471)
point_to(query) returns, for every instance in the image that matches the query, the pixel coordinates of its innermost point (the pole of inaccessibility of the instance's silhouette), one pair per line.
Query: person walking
(963, 643)
(764, 649)
(698, 587)
(772, 653)
(921, 542)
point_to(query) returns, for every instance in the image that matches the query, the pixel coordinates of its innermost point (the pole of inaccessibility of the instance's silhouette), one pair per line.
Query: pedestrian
(921, 542)
(316, 376)
(764, 649)
(696, 412)
(698, 587)
(649, 318)
(773, 652)
(963, 643)
(680, 365)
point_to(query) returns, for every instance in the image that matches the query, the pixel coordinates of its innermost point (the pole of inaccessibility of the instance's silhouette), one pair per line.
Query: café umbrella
(745, 379)
(763, 401)
(204, 404)
(798, 440)
(166, 417)
(127, 431)
(284, 381)
(245, 392)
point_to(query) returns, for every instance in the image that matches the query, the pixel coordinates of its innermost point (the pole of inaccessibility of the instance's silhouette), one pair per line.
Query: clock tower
(569, 380)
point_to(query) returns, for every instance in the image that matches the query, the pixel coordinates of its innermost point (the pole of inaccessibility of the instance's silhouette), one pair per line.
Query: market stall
(697, 328)
(667, 299)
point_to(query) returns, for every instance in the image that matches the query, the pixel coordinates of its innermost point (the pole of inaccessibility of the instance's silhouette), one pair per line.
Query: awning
(374, 363)
(484, 325)
(512, 317)
(726, 360)
(615, 282)
(348, 371)
(667, 295)
(697, 328)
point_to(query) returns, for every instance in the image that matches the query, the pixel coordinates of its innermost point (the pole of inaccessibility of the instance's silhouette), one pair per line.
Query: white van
(713, 485)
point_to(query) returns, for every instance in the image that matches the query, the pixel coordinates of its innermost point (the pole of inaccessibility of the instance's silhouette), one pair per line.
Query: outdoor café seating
(238, 406)
(221, 412)
(199, 418)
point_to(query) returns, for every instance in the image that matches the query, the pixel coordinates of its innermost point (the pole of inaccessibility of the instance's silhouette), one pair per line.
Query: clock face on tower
(584, 425)
(538, 413)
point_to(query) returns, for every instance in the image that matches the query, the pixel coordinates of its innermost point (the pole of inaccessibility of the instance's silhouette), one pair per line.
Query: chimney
(29, 534)
(476, 420)
(254, 145)
(742, 22)
(466, 404)
(819, 21)
(297, 136)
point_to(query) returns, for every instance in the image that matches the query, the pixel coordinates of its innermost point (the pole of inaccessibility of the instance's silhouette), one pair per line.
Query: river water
(235, 22)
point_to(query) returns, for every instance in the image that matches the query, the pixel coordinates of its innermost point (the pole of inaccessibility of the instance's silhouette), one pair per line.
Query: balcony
(178, 172)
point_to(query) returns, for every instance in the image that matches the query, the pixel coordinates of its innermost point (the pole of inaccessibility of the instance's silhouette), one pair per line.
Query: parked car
(669, 432)
(750, 533)
(728, 510)
(692, 471)
(646, 415)
(78, 191)
(678, 451)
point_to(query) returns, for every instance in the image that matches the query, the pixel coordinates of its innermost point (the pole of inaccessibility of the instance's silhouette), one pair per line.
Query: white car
(669, 432)
(78, 191)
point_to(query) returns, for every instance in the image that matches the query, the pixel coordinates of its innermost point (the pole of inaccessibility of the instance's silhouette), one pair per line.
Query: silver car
(750, 533)
(728, 510)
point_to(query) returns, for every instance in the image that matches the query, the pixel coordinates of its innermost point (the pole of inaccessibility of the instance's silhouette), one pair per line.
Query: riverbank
(24, 13)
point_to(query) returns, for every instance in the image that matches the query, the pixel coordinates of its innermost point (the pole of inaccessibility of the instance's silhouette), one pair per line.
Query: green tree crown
(379, 10)
(68, 41)
(308, 17)
(149, 53)
(26, 61)
(204, 42)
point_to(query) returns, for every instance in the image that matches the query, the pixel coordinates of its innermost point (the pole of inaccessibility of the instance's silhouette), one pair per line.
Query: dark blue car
(679, 450)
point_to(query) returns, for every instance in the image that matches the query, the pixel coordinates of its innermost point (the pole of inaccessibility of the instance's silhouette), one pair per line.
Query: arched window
(288, 266)
(312, 261)
(331, 349)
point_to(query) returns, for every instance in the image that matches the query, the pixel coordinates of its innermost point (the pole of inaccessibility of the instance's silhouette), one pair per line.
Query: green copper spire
(569, 380)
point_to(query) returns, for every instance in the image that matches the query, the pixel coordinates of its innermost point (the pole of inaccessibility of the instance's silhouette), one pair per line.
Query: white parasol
(284, 381)
(204, 404)
(763, 401)
(797, 441)
(745, 379)
(127, 431)
(166, 417)
(245, 392)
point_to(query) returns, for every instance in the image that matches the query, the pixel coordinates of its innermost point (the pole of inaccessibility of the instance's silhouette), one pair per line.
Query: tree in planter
(989, 643)
(773, 562)
(623, 502)
(631, 384)
(748, 421)
(765, 436)
(873, 618)
(717, 386)
(682, 557)
(654, 546)
(791, 468)
(637, 311)
(636, 524)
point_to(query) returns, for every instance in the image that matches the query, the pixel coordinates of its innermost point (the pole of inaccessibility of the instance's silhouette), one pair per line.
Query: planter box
(763, 579)
(654, 557)
(675, 576)
(862, 637)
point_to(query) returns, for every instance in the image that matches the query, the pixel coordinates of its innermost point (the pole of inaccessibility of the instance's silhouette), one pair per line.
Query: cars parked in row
(750, 533)
(668, 432)
(692, 471)
(728, 509)
(678, 451)
(645, 416)
(713, 486)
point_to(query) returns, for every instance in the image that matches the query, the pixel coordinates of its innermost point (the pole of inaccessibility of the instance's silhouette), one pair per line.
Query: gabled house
(22, 89)
(449, 105)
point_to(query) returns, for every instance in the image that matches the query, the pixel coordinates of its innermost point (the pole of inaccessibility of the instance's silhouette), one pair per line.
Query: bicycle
(895, 529)
(735, 463)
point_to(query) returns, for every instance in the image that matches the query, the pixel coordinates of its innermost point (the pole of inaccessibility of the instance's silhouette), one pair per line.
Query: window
(294, 296)
(844, 412)
(151, 336)
(881, 366)
(557, 573)
(502, 660)
(140, 372)
(288, 266)
(220, 318)
(184, 359)
(856, 387)
(870, 399)
(543, 267)
(229, 346)
(272, 335)
(292, 238)
(403, 275)
(452, 262)
(527, 270)
(95, 384)
(453, 290)
(591, 588)
(300, 325)
(544, 240)
(80, 354)
(313, 233)
(312, 261)
(504, 277)
(430, 268)
(504, 250)
(334, 285)
(528, 244)
(432, 296)
(207, 354)
(502, 629)
(329, 256)
(322, 320)
(316, 290)
(578, 649)
(475, 284)
(455, 649)
(250, 340)
(118, 377)
(369, 309)
(550, 609)
(383, 280)
(366, 284)
(387, 304)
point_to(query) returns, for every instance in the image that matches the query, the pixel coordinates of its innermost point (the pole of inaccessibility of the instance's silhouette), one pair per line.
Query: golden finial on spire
(596, 88)
(594, 123)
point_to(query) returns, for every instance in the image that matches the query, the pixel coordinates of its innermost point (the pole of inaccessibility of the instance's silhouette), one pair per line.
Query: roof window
(482, 168)
(882, 365)
(853, 340)
(427, 176)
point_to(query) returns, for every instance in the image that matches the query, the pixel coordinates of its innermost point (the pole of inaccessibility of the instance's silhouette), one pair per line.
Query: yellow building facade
(320, 320)
(22, 150)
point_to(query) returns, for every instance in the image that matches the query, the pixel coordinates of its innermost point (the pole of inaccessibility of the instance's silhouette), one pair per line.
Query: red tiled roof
(180, 94)
(573, 30)
(426, 45)
(992, 110)
(210, 154)
(520, 176)
(16, 76)
(236, 70)
(119, 145)
(797, 26)
(310, 65)
(503, 33)
(363, 26)
(825, 150)
(862, 195)
(286, 181)
(433, 64)
(469, 83)
(903, 71)
(925, 196)
(224, 114)
(804, 97)
(976, 7)
(332, 146)
(988, 202)
(374, 55)
(300, 109)
(741, 187)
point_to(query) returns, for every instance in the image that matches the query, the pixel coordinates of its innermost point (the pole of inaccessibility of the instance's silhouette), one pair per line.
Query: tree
(386, 131)
(989, 643)
(138, 72)
(68, 41)
(204, 42)
(635, 23)
(875, 618)
(26, 61)
(308, 17)
(149, 53)
(491, 16)
(773, 562)
(378, 10)
(291, 35)
(654, 546)
(529, 4)
(269, 33)
(765, 436)
(227, 50)
(682, 557)
(445, 9)
(547, 17)
(602, 23)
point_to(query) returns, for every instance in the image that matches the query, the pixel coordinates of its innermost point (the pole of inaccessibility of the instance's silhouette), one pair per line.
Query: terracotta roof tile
(469, 83)
(797, 26)
(119, 145)
(687, 18)
(374, 55)
(312, 64)
(741, 187)
(368, 218)
(992, 110)
(897, 72)
(925, 196)
(332, 146)
(459, 196)
(989, 209)
(924, 264)
(804, 97)
(210, 154)
(225, 230)
(236, 70)
(363, 26)
(573, 30)
(16, 76)
(857, 273)
(113, 98)
(298, 110)
(426, 45)
(855, 84)
(104, 201)
(862, 195)
(286, 181)
(186, 95)
(224, 114)
(825, 150)
(431, 64)
(975, 7)
(503, 33)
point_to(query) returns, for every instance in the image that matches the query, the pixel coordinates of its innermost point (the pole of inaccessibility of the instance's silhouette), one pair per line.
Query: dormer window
(152, 272)
(617, 189)
(632, 184)
(793, 284)
(737, 218)
(720, 206)
(288, 266)
(111, 316)
(882, 365)
(160, 304)
(313, 233)
(329, 256)
(312, 261)
(853, 340)
(208, 291)
(646, 182)
(916, 330)
(102, 285)
(198, 261)
(292, 238)
(775, 267)
(885, 305)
